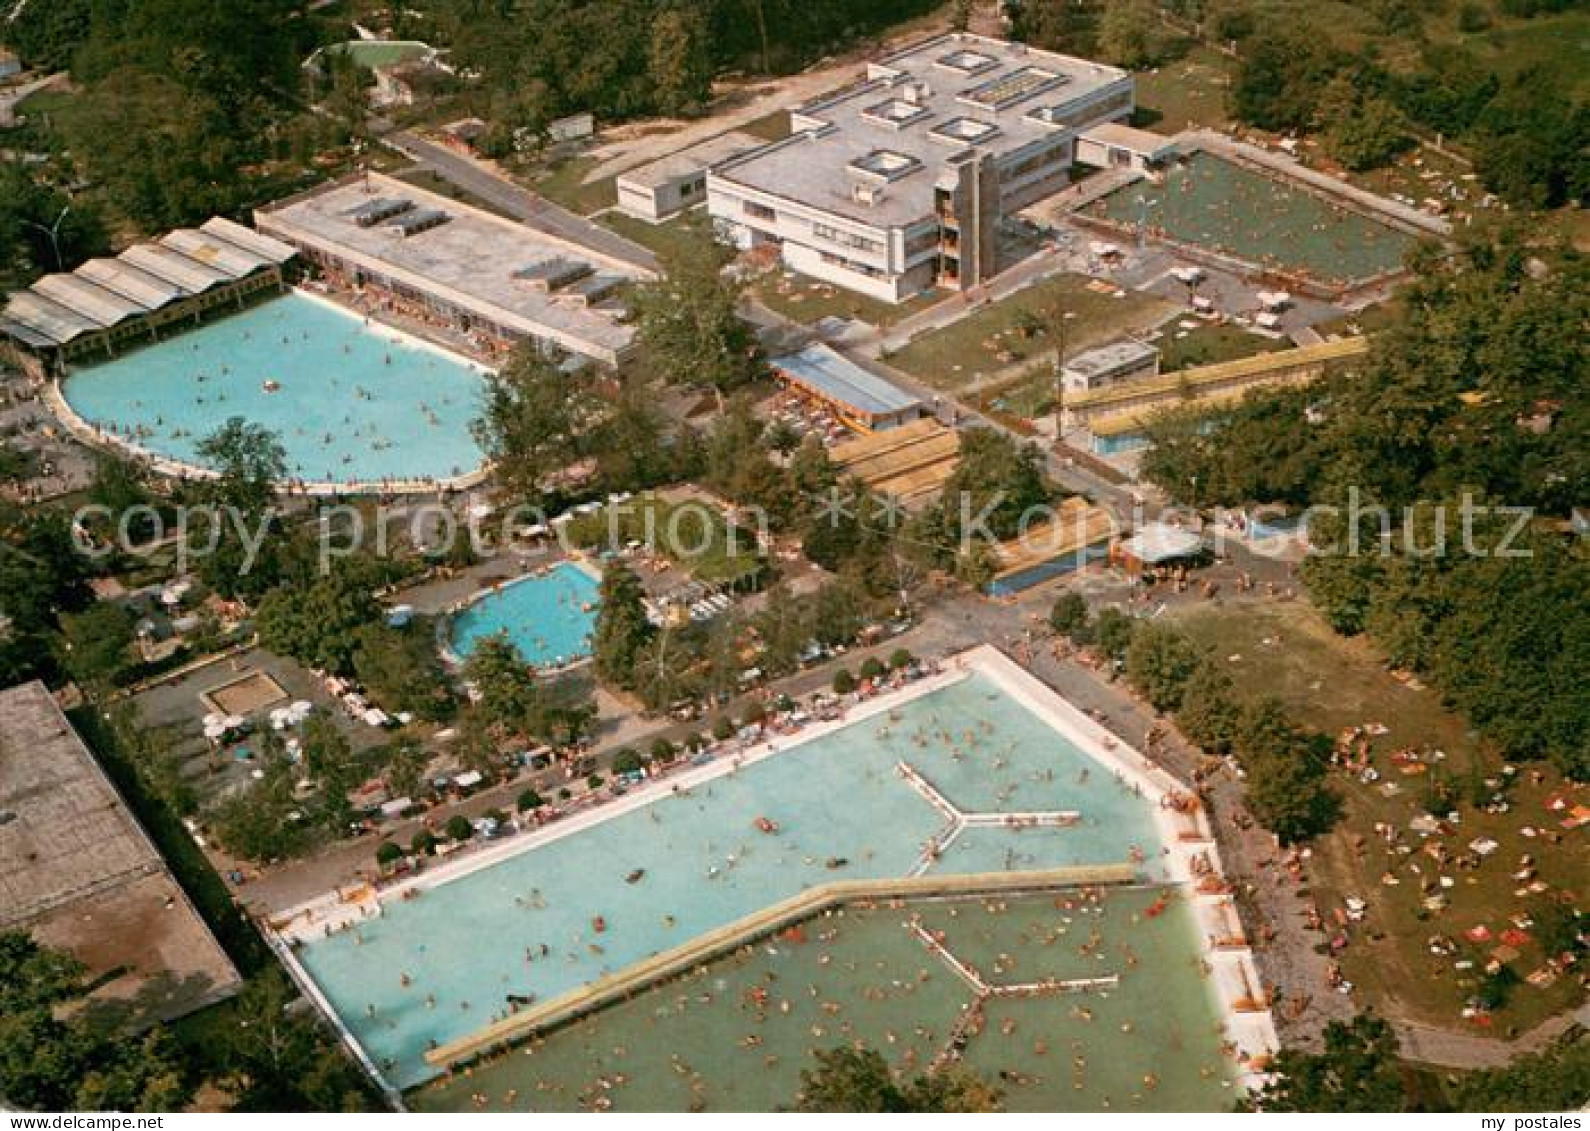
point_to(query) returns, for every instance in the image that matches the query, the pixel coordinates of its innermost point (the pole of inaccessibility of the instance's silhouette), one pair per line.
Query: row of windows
(848, 239)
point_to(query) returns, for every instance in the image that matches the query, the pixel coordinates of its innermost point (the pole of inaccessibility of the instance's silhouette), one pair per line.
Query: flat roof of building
(828, 372)
(471, 258)
(78, 871)
(1144, 143)
(925, 103)
(1108, 358)
(692, 160)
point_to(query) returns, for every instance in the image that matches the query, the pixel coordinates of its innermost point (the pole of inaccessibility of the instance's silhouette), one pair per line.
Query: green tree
(1069, 614)
(997, 483)
(1556, 1078)
(97, 644)
(1113, 629)
(1358, 1071)
(1131, 35)
(688, 323)
(1208, 711)
(320, 625)
(534, 416)
(680, 60)
(622, 628)
(859, 1080)
(54, 1059)
(1159, 663)
(401, 668)
(237, 550)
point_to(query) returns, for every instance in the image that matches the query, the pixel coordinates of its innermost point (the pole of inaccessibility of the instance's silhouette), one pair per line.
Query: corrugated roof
(242, 236)
(27, 335)
(843, 380)
(59, 323)
(189, 274)
(232, 261)
(96, 303)
(128, 281)
(1254, 366)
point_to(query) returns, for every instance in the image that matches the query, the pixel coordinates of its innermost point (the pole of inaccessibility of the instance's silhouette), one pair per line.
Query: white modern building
(663, 189)
(896, 184)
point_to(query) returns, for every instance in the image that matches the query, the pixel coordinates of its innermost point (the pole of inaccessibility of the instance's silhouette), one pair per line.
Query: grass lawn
(804, 299)
(987, 341)
(660, 238)
(1208, 345)
(1333, 682)
(562, 183)
(692, 534)
(1190, 91)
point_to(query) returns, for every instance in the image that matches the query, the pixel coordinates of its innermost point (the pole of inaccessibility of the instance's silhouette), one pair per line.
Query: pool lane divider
(805, 905)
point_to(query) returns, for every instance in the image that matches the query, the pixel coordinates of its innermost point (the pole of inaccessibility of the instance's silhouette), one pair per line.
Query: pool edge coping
(85, 431)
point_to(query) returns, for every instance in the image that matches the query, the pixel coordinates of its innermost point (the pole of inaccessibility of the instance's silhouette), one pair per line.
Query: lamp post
(53, 231)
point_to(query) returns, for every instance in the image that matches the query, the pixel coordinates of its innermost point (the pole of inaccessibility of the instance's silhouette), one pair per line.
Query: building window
(759, 211)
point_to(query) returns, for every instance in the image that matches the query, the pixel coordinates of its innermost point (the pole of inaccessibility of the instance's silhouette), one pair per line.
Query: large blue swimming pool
(549, 618)
(440, 966)
(350, 402)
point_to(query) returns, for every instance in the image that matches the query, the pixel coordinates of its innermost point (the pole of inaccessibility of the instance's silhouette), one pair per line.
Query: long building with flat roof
(895, 184)
(79, 873)
(860, 398)
(478, 271)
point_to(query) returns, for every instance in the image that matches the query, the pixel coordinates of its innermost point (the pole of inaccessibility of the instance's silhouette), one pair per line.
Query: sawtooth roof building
(108, 301)
(896, 184)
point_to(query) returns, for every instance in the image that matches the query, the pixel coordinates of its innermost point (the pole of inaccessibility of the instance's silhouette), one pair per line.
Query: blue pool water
(469, 942)
(548, 618)
(356, 402)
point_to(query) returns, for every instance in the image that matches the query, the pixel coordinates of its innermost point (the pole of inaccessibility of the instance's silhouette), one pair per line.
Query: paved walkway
(1430, 1045)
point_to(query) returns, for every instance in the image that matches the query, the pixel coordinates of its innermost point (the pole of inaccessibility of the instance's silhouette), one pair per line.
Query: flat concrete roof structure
(1095, 367)
(916, 109)
(695, 159)
(459, 260)
(80, 874)
(861, 398)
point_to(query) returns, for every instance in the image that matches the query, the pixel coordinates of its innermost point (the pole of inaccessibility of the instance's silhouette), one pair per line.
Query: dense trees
(1357, 1071)
(624, 58)
(1471, 403)
(622, 629)
(182, 102)
(317, 624)
(859, 1080)
(688, 321)
(55, 1060)
(1526, 131)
